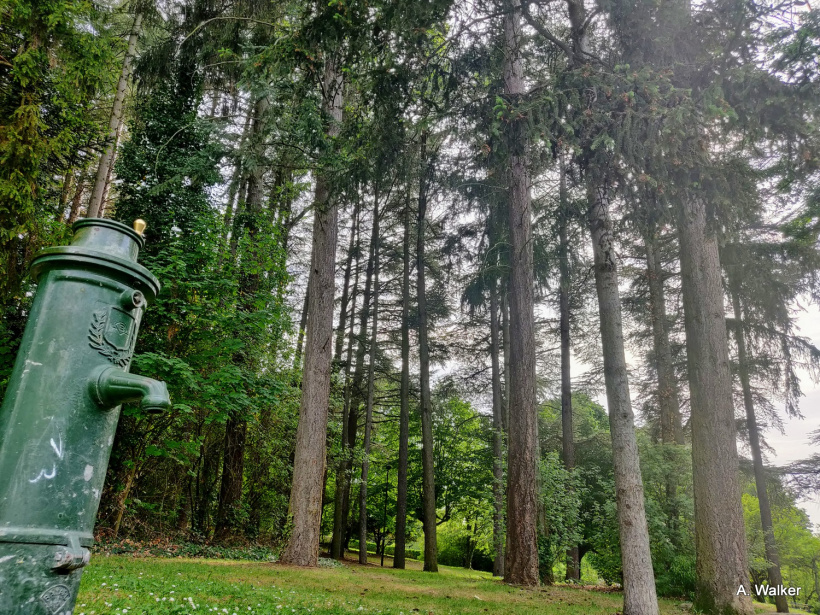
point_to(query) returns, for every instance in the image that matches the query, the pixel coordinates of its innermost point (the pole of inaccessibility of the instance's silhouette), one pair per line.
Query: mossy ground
(130, 585)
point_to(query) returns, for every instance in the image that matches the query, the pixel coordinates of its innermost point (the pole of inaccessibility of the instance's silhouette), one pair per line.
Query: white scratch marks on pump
(44, 474)
(58, 449)
(88, 473)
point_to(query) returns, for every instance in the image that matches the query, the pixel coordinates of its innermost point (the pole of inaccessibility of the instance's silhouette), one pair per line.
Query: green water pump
(61, 408)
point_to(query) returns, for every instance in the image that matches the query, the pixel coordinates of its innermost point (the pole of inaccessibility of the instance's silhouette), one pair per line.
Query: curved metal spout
(111, 386)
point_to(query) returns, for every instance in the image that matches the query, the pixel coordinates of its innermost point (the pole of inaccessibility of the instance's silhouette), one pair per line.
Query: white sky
(794, 443)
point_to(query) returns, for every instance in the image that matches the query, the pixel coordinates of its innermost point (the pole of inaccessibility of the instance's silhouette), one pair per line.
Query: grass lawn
(125, 584)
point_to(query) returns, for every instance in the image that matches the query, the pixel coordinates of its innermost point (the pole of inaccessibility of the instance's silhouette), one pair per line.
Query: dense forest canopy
(407, 248)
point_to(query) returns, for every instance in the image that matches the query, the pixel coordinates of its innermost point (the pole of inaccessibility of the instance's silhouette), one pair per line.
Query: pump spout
(110, 387)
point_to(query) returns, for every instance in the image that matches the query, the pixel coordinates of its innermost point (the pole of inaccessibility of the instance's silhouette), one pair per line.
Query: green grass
(130, 585)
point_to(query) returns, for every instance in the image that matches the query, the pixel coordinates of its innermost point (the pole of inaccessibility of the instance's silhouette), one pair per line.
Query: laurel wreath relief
(96, 335)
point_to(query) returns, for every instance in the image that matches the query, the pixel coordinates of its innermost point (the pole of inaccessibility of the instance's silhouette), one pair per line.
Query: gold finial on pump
(139, 226)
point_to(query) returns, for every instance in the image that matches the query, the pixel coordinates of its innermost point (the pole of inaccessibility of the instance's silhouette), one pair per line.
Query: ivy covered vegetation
(507, 285)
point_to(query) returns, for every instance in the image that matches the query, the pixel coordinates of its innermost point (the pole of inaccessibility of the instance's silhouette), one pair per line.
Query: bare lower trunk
(521, 564)
(498, 437)
(428, 478)
(233, 468)
(671, 427)
(720, 538)
(371, 382)
(404, 412)
(309, 460)
(772, 555)
(573, 556)
(337, 539)
(353, 397)
(668, 400)
(122, 498)
(638, 577)
(95, 205)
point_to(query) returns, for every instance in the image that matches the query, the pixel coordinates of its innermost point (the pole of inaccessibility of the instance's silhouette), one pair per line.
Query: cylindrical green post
(61, 407)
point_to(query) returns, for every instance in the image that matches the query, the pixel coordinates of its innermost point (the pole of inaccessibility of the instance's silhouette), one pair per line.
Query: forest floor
(120, 584)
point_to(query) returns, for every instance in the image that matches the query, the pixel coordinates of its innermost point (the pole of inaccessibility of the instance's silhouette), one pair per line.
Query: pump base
(29, 585)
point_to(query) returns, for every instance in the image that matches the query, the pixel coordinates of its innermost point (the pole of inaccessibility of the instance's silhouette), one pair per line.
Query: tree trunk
(521, 564)
(498, 437)
(76, 202)
(428, 477)
(107, 158)
(772, 555)
(303, 320)
(636, 559)
(235, 188)
(68, 182)
(668, 404)
(309, 460)
(567, 433)
(505, 341)
(353, 396)
(720, 538)
(371, 383)
(343, 308)
(671, 427)
(337, 538)
(233, 468)
(404, 411)
(236, 426)
(123, 497)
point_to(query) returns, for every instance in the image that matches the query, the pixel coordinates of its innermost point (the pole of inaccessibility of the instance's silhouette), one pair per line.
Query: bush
(679, 578)
(454, 541)
(160, 548)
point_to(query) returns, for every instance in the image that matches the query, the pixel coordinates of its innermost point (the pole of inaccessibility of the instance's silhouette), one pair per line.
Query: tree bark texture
(309, 460)
(772, 554)
(115, 122)
(638, 577)
(521, 564)
(498, 436)
(505, 342)
(428, 469)
(720, 537)
(404, 410)
(371, 383)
